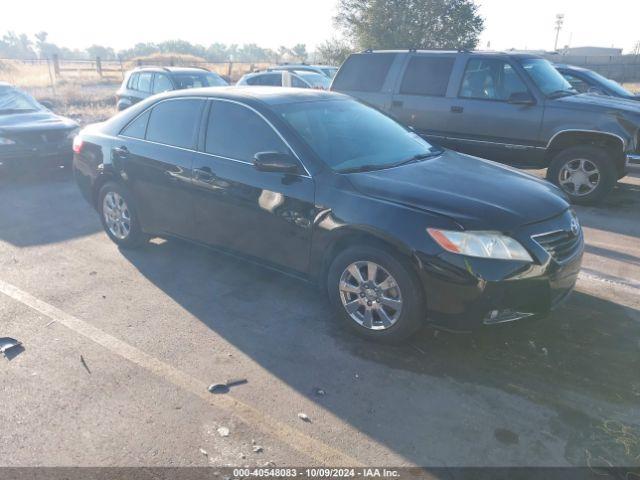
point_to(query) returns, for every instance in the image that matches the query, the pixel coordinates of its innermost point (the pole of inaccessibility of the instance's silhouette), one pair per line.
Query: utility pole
(559, 23)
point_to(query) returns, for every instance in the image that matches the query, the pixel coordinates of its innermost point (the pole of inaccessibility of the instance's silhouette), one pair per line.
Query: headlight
(73, 133)
(480, 244)
(6, 141)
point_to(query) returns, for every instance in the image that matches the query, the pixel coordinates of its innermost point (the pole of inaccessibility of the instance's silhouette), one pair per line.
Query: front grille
(561, 245)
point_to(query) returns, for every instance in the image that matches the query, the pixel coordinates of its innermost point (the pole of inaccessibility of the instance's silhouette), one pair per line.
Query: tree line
(364, 24)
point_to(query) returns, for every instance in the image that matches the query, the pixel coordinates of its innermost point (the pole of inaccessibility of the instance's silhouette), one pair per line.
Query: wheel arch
(357, 235)
(570, 138)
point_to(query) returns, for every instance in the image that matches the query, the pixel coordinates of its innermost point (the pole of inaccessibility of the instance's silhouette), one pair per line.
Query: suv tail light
(77, 144)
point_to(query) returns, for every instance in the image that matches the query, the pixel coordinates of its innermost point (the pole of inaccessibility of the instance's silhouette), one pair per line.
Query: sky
(270, 23)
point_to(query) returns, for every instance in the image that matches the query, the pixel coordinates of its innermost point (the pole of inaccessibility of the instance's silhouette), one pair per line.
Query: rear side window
(144, 82)
(138, 127)
(175, 122)
(297, 82)
(271, 80)
(234, 131)
(133, 82)
(427, 76)
(364, 72)
(162, 83)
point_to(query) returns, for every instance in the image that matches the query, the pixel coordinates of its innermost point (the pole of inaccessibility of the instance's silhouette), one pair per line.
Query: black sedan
(588, 81)
(31, 135)
(318, 185)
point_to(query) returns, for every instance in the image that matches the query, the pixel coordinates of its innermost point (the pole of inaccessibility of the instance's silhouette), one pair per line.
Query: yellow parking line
(315, 449)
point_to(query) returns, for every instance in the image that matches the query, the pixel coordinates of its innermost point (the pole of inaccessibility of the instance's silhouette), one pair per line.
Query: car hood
(477, 194)
(41, 120)
(600, 102)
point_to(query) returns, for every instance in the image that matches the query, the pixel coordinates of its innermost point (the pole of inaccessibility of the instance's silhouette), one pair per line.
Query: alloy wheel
(116, 215)
(370, 295)
(579, 177)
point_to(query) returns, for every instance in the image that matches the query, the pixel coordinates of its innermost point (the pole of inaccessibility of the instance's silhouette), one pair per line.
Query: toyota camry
(316, 184)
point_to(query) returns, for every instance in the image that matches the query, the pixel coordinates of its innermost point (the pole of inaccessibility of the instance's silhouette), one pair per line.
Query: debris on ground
(93, 272)
(544, 351)
(50, 323)
(218, 388)
(320, 392)
(223, 431)
(84, 364)
(257, 449)
(356, 376)
(204, 452)
(304, 417)
(10, 347)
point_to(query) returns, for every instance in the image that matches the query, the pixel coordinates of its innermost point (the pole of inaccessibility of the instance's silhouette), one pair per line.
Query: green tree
(105, 53)
(387, 24)
(300, 52)
(333, 52)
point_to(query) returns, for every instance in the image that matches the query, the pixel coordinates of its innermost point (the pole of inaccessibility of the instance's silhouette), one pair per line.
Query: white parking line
(315, 449)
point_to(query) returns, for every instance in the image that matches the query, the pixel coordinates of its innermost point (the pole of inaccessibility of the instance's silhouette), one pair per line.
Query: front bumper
(24, 156)
(633, 159)
(464, 293)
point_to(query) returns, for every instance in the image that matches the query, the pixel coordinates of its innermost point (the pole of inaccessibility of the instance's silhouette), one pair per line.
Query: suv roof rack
(199, 68)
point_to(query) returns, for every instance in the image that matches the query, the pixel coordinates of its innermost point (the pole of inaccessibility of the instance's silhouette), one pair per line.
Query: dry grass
(633, 87)
(78, 94)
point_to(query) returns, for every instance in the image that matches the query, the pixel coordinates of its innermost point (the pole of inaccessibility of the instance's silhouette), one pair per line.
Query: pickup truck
(512, 108)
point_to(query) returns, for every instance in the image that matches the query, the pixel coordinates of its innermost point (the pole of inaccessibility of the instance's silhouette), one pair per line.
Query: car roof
(570, 67)
(488, 53)
(172, 69)
(263, 94)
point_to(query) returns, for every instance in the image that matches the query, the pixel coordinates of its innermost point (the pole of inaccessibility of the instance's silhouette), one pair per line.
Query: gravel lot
(119, 348)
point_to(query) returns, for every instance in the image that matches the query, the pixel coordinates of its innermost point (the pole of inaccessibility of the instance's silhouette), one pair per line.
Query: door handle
(397, 103)
(457, 109)
(121, 151)
(204, 174)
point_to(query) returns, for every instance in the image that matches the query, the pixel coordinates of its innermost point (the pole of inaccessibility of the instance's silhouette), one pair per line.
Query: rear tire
(118, 216)
(371, 305)
(585, 173)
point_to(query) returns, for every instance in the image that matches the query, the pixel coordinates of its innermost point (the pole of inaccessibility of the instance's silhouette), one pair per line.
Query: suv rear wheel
(585, 173)
(375, 293)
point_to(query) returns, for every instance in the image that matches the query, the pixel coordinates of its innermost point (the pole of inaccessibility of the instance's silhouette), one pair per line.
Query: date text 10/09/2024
(316, 472)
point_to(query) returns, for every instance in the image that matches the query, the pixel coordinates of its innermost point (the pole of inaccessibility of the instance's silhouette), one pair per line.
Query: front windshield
(545, 76)
(330, 72)
(197, 80)
(611, 84)
(314, 79)
(348, 135)
(15, 101)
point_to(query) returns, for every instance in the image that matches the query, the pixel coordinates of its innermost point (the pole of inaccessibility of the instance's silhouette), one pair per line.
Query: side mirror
(521, 98)
(46, 104)
(275, 162)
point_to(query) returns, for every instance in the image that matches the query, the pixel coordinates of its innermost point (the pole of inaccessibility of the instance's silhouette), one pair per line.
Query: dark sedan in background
(588, 81)
(31, 135)
(320, 186)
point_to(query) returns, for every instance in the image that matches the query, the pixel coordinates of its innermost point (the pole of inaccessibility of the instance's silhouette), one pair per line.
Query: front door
(266, 215)
(485, 120)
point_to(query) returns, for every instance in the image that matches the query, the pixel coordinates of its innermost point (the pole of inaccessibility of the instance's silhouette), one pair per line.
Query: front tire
(376, 294)
(118, 216)
(585, 173)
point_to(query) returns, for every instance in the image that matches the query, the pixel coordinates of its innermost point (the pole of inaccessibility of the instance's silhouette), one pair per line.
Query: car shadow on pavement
(573, 375)
(42, 207)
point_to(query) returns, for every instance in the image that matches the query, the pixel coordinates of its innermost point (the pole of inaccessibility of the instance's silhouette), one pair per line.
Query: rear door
(369, 77)
(157, 159)
(266, 215)
(485, 123)
(421, 101)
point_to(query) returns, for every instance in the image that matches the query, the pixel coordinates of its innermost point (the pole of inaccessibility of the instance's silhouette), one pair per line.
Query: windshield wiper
(6, 111)
(363, 168)
(561, 93)
(418, 157)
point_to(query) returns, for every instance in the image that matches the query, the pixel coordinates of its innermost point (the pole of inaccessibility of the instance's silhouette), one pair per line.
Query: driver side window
(490, 79)
(238, 133)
